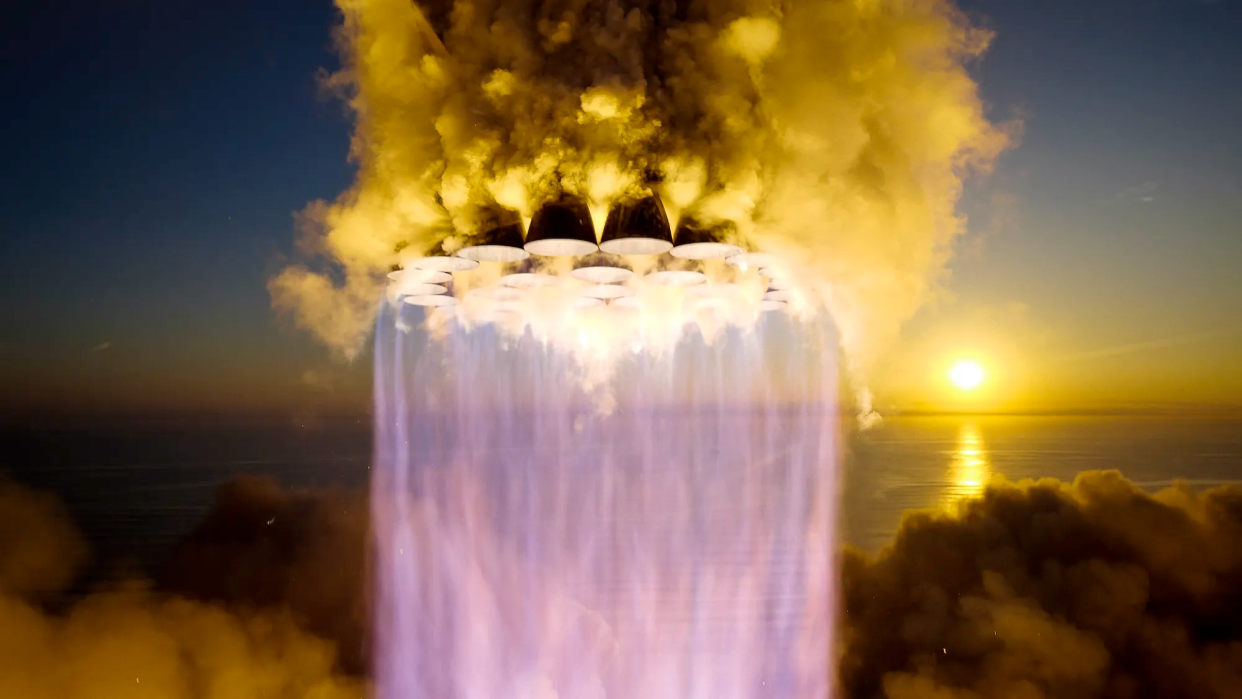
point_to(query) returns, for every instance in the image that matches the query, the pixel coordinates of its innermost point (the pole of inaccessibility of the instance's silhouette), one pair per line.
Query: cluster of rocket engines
(563, 228)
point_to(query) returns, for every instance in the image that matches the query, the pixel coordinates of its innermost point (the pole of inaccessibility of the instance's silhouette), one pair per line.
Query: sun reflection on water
(969, 468)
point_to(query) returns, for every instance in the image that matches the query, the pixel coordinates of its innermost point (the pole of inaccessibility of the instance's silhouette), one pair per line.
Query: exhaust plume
(833, 134)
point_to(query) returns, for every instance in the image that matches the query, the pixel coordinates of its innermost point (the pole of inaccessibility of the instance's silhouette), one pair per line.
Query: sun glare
(966, 375)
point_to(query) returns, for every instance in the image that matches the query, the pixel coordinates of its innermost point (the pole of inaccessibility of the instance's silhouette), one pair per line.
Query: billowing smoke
(262, 547)
(40, 550)
(1094, 589)
(833, 134)
(132, 641)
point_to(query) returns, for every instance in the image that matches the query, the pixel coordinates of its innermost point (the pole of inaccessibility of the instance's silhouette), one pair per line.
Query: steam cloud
(834, 134)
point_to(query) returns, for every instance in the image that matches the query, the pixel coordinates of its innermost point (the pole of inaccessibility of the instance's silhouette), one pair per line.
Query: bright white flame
(602, 314)
(532, 547)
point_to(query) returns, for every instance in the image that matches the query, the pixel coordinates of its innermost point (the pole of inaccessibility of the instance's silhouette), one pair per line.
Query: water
(136, 487)
(931, 462)
(529, 546)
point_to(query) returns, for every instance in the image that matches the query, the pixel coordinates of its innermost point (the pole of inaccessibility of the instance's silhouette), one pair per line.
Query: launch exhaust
(530, 545)
(615, 484)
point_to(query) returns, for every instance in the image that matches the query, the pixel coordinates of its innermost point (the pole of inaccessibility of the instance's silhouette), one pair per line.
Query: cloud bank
(1094, 589)
(132, 641)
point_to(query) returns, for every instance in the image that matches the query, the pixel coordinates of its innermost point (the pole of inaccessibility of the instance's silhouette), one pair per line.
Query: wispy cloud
(1145, 192)
(102, 346)
(1145, 346)
(317, 379)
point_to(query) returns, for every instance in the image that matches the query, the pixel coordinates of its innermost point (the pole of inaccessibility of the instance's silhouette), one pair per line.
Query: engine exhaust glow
(661, 532)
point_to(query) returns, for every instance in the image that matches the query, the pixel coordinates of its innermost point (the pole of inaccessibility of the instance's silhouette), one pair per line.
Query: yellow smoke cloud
(130, 641)
(835, 134)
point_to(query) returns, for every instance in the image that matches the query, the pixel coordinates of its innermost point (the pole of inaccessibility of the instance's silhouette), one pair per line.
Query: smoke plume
(833, 134)
(131, 641)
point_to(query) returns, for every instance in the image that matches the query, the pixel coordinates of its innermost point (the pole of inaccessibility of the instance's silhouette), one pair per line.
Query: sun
(966, 375)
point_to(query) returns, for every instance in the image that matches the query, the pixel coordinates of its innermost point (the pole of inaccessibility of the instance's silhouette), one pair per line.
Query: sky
(156, 153)
(1100, 270)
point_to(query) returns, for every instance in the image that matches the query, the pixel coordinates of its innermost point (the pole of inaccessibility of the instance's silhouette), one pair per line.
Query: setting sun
(966, 375)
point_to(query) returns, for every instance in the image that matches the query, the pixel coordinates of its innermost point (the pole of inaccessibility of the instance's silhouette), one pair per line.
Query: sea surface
(933, 462)
(134, 488)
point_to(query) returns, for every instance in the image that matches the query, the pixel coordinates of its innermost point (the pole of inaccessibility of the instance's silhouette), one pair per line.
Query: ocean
(134, 488)
(911, 463)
